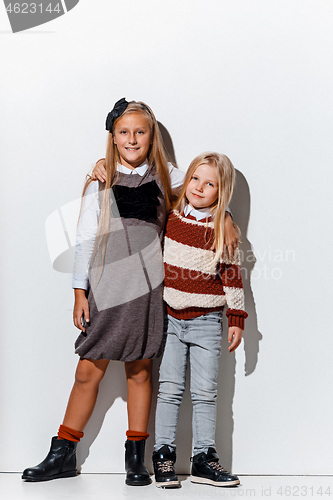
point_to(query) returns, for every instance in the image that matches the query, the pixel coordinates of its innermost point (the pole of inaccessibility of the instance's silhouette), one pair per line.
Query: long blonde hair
(226, 181)
(156, 153)
(157, 162)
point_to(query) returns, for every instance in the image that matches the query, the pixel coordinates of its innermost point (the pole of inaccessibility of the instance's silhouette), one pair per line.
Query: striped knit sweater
(191, 286)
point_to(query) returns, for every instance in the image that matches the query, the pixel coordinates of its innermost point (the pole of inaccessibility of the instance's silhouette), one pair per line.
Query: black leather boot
(136, 472)
(207, 470)
(60, 462)
(164, 468)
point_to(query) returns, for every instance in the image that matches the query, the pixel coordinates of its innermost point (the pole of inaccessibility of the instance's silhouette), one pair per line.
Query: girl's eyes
(195, 178)
(125, 132)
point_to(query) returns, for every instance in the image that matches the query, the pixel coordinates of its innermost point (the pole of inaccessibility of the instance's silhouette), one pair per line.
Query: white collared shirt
(89, 217)
(141, 169)
(198, 213)
(176, 175)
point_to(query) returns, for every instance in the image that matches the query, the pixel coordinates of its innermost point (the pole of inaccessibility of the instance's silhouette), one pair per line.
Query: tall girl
(199, 281)
(118, 286)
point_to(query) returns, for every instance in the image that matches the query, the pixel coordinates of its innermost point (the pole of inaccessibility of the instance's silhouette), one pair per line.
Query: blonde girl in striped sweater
(199, 281)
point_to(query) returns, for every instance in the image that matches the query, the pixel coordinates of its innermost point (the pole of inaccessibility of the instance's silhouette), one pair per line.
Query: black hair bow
(117, 111)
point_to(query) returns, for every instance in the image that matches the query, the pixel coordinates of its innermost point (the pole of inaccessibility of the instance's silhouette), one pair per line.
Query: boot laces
(216, 466)
(165, 466)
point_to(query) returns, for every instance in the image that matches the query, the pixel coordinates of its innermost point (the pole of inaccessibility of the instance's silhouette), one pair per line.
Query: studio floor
(112, 486)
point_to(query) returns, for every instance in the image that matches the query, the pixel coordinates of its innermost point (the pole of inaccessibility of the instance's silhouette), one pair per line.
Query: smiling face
(133, 137)
(203, 188)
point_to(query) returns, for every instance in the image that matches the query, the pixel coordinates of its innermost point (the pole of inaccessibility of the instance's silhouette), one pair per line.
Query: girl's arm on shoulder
(176, 177)
(99, 171)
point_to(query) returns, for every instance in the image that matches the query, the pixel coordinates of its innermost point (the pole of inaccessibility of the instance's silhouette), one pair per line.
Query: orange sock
(69, 434)
(136, 435)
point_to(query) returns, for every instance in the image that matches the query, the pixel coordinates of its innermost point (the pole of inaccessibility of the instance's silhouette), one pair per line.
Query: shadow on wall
(168, 144)
(240, 207)
(111, 387)
(109, 390)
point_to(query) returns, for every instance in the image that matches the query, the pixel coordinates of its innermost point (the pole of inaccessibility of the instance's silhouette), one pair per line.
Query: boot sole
(49, 478)
(168, 484)
(203, 480)
(138, 483)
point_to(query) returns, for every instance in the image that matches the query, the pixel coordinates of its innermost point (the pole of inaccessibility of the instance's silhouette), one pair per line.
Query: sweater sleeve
(230, 273)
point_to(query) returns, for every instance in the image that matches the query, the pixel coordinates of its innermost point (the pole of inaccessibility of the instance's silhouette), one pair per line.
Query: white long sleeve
(176, 177)
(86, 235)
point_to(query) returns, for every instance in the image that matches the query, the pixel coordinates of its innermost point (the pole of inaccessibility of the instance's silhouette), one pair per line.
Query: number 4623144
(32, 8)
(301, 491)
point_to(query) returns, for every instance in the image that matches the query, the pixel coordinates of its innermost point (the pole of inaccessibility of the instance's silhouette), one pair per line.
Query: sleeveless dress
(125, 291)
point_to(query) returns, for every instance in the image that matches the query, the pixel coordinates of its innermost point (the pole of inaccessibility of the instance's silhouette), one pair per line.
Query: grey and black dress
(125, 273)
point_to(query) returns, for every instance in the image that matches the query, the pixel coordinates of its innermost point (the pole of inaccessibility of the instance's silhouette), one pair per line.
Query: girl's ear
(114, 140)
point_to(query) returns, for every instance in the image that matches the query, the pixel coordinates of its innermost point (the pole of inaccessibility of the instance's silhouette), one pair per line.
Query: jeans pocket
(215, 317)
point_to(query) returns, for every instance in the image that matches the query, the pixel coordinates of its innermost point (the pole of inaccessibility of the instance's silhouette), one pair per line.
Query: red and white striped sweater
(191, 286)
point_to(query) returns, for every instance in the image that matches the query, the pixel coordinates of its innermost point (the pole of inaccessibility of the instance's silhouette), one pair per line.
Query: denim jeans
(199, 340)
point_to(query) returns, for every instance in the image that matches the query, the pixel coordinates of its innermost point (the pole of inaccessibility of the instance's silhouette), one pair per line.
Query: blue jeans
(198, 339)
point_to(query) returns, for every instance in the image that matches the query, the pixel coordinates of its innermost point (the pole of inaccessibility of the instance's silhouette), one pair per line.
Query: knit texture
(136, 435)
(192, 286)
(70, 434)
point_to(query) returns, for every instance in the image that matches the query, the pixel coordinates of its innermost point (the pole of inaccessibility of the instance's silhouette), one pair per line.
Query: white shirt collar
(141, 169)
(199, 214)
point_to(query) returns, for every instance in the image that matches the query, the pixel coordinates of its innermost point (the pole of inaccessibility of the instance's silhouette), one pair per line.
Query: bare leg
(139, 387)
(61, 460)
(83, 397)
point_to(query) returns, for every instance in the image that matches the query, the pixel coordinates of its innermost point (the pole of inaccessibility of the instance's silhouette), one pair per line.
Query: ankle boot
(136, 472)
(164, 468)
(207, 470)
(60, 462)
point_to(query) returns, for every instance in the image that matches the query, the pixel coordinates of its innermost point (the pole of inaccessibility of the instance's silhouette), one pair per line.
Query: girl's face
(202, 190)
(132, 136)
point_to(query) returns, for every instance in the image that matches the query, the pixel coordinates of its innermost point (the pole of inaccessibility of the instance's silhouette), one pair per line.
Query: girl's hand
(235, 336)
(81, 308)
(99, 171)
(231, 238)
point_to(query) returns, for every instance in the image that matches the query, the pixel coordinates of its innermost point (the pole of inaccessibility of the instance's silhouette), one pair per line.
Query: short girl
(199, 281)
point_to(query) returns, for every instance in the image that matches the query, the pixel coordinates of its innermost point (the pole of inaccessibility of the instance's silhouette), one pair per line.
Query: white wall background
(250, 78)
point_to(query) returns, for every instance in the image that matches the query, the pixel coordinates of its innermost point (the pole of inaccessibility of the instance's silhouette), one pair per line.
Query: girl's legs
(83, 397)
(61, 460)
(170, 394)
(139, 392)
(139, 387)
(204, 353)
(171, 384)
(204, 372)
(205, 349)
